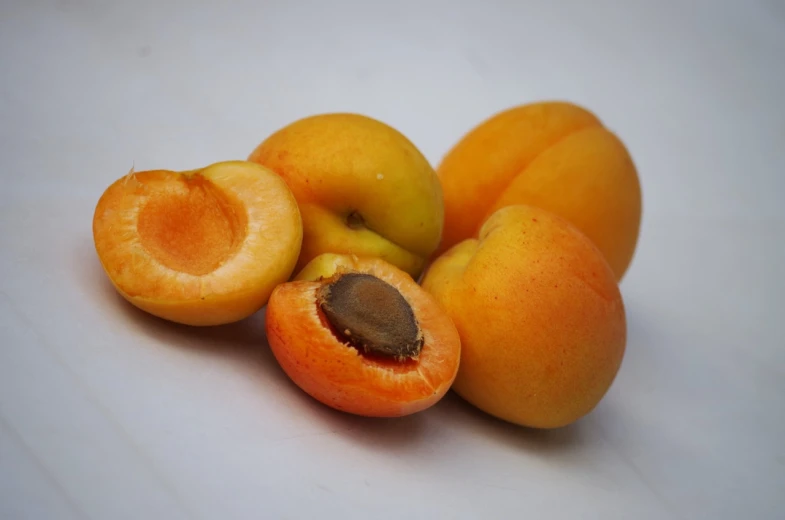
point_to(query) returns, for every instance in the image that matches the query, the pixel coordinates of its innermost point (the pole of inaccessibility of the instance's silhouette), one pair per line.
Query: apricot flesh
(201, 247)
(540, 316)
(554, 155)
(362, 186)
(329, 368)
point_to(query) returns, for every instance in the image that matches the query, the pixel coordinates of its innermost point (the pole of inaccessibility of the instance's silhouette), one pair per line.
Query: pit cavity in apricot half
(359, 335)
(200, 247)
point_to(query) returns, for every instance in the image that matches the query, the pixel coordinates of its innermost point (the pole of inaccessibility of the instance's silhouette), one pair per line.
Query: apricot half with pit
(200, 247)
(362, 186)
(359, 335)
(540, 315)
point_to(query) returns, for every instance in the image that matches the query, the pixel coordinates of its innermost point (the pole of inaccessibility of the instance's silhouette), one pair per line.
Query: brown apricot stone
(371, 315)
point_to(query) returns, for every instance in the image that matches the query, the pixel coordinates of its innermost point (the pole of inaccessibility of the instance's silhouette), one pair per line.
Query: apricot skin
(338, 375)
(554, 155)
(363, 188)
(540, 315)
(202, 247)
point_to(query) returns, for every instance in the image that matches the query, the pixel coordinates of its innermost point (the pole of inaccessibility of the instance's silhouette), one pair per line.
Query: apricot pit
(371, 315)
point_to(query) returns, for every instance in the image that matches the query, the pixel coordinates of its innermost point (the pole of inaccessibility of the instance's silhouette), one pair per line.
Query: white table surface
(106, 413)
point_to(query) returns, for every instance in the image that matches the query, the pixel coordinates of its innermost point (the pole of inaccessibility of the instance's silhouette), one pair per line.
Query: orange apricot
(362, 186)
(359, 335)
(200, 247)
(554, 155)
(540, 315)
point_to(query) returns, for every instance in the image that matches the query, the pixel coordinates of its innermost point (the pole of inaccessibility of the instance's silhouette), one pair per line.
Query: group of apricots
(387, 282)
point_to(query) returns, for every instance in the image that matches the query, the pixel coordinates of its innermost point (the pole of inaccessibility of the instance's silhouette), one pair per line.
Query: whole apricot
(359, 335)
(200, 247)
(553, 155)
(363, 188)
(540, 317)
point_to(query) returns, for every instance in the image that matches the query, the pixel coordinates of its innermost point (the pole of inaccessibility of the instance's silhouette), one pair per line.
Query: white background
(106, 413)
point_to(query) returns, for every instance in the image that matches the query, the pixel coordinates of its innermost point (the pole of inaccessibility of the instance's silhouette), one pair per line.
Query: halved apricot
(201, 247)
(359, 335)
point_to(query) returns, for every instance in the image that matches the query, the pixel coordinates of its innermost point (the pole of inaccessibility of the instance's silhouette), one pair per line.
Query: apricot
(362, 186)
(540, 317)
(359, 335)
(553, 155)
(200, 247)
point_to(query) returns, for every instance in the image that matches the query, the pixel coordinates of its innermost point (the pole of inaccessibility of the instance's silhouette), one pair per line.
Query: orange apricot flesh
(322, 361)
(201, 247)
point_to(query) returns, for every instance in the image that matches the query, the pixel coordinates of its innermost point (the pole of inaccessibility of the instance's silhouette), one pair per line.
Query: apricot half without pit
(201, 247)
